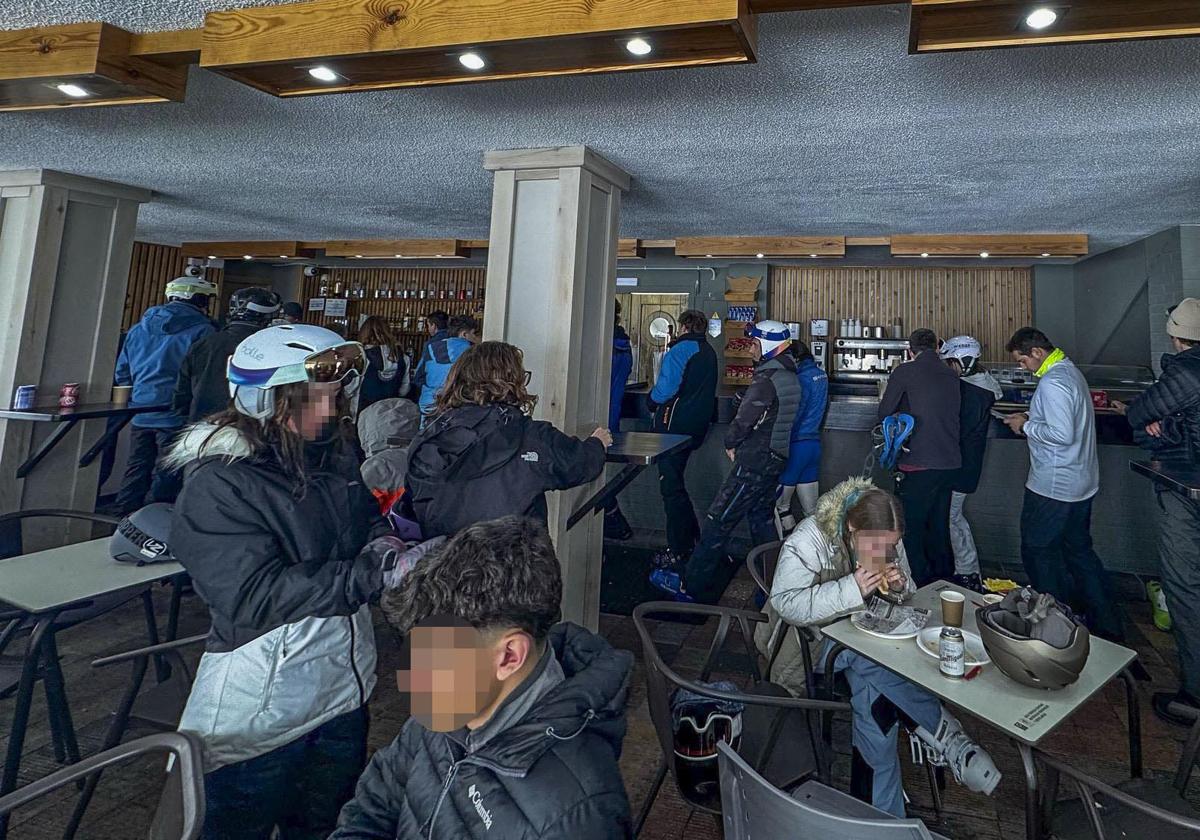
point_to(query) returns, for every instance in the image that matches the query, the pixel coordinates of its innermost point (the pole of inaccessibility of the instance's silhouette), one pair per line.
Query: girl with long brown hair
(482, 455)
(387, 365)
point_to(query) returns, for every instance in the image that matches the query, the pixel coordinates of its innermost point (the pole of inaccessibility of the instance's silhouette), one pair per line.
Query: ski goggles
(336, 363)
(695, 740)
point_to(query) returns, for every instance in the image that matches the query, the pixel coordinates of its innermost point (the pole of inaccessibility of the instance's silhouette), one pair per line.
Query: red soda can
(69, 395)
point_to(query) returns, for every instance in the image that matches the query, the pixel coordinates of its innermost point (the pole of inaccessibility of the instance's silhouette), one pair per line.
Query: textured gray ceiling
(836, 130)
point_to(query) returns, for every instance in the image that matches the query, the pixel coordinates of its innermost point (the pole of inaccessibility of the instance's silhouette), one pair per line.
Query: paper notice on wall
(316, 304)
(335, 308)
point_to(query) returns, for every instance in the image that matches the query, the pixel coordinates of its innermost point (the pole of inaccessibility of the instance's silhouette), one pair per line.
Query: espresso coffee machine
(866, 359)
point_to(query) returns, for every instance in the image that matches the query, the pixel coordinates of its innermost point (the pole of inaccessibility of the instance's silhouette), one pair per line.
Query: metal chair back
(761, 562)
(11, 541)
(180, 813)
(754, 808)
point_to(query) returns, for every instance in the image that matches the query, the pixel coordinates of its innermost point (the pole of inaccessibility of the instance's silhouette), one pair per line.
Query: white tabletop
(1027, 714)
(46, 580)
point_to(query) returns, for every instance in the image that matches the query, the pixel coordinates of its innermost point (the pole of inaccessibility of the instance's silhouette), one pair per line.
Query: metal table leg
(64, 427)
(605, 494)
(108, 435)
(827, 717)
(1133, 709)
(1032, 812)
(20, 721)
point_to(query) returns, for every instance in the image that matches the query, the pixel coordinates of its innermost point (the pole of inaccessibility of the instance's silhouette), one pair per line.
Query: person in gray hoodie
(1064, 478)
(385, 430)
(979, 391)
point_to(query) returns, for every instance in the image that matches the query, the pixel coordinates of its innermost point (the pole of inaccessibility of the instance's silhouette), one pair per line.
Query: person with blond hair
(482, 455)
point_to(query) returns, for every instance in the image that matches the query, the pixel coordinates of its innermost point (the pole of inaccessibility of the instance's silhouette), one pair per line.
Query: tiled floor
(1094, 740)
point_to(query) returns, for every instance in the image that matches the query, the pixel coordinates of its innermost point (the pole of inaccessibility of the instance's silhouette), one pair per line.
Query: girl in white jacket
(823, 575)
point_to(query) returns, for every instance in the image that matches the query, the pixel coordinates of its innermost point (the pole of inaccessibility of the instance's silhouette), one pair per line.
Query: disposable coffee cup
(952, 608)
(120, 394)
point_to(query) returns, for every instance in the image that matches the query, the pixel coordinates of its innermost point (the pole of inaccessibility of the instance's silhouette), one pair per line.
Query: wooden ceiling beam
(262, 250)
(995, 245)
(395, 248)
(946, 25)
(752, 246)
(174, 47)
(761, 7)
(631, 249)
(370, 45)
(96, 59)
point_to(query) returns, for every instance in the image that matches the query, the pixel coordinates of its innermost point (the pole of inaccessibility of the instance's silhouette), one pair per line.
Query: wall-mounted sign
(335, 308)
(316, 304)
(627, 281)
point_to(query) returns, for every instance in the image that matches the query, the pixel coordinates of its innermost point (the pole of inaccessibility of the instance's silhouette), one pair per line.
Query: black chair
(160, 707)
(761, 561)
(1150, 808)
(180, 812)
(40, 660)
(779, 734)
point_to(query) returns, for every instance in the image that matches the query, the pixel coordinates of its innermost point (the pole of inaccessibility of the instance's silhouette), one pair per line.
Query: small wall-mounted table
(1026, 715)
(45, 584)
(636, 450)
(1179, 478)
(66, 418)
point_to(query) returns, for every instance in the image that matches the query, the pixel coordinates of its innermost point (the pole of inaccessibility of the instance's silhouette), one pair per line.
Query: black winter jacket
(551, 774)
(761, 431)
(974, 420)
(687, 385)
(260, 557)
(202, 388)
(477, 463)
(1174, 401)
(927, 389)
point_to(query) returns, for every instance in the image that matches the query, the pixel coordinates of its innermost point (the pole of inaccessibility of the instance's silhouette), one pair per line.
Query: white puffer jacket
(814, 583)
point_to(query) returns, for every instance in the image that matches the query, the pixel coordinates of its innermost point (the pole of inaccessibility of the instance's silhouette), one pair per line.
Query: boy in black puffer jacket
(525, 744)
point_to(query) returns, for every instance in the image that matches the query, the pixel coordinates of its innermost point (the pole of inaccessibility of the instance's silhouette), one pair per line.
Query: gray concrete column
(550, 283)
(65, 245)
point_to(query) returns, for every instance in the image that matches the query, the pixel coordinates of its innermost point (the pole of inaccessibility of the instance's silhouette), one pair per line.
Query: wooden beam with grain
(630, 249)
(374, 45)
(761, 7)
(260, 249)
(171, 47)
(768, 246)
(995, 244)
(402, 248)
(947, 25)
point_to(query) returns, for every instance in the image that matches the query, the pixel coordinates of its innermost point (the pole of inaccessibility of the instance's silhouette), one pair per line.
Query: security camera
(194, 270)
(311, 270)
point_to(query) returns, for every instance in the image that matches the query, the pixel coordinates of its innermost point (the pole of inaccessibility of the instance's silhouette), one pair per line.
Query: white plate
(854, 620)
(928, 641)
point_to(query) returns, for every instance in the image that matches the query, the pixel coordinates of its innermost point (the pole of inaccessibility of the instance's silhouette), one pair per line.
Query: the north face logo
(477, 801)
(531, 457)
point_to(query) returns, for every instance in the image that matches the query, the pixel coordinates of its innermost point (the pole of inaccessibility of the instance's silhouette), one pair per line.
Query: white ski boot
(969, 762)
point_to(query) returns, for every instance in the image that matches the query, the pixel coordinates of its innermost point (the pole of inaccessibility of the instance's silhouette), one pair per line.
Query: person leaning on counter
(1064, 477)
(1166, 421)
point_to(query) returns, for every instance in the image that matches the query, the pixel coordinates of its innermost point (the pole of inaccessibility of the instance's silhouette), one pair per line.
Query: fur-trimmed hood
(831, 507)
(204, 440)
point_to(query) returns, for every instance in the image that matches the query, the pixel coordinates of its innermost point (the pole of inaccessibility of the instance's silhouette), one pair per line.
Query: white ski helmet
(185, 288)
(774, 337)
(290, 353)
(965, 349)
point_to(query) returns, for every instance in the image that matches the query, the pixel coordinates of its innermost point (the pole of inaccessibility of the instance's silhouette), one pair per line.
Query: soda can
(23, 397)
(953, 653)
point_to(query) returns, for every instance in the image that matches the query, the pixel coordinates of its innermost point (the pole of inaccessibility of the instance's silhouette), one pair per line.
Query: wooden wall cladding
(988, 303)
(379, 291)
(152, 267)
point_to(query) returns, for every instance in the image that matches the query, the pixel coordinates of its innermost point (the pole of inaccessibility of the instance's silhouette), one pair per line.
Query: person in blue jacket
(683, 401)
(616, 526)
(150, 358)
(438, 357)
(804, 457)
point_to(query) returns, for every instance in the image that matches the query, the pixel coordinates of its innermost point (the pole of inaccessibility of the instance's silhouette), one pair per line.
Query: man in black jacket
(202, 388)
(758, 442)
(928, 390)
(1166, 420)
(517, 721)
(683, 400)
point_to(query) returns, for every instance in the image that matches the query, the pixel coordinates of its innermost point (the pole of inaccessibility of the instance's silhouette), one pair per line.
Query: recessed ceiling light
(472, 61)
(399, 256)
(212, 256)
(1041, 18)
(639, 46)
(247, 256)
(924, 255)
(439, 256)
(73, 90)
(1045, 255)
(358, 256)
(759, 256)
(814, 256)
(283, 256)
(323, 74)
(984, 254)
(708, 256)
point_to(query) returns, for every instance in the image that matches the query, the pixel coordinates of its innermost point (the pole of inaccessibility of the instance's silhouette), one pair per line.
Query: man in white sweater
(1064, 477)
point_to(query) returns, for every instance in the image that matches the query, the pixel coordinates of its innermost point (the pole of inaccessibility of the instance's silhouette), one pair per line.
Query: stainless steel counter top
(1180, 478)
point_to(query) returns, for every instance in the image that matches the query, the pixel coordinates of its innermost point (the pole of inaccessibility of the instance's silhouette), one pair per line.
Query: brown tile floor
(1094, 740)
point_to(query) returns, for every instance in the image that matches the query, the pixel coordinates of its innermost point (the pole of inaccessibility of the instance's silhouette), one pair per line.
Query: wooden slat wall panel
(462, 289)
(152, 267)
(988, 303)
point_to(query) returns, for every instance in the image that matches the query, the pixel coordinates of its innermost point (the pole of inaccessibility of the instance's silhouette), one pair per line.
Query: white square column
(551, 281)
(65, 246)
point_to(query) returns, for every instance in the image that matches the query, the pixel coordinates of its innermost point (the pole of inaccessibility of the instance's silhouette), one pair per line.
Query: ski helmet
(253, 305)
(290, 353)
(186, 288)
(774, 337)
(143, 536)
(963, 348)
